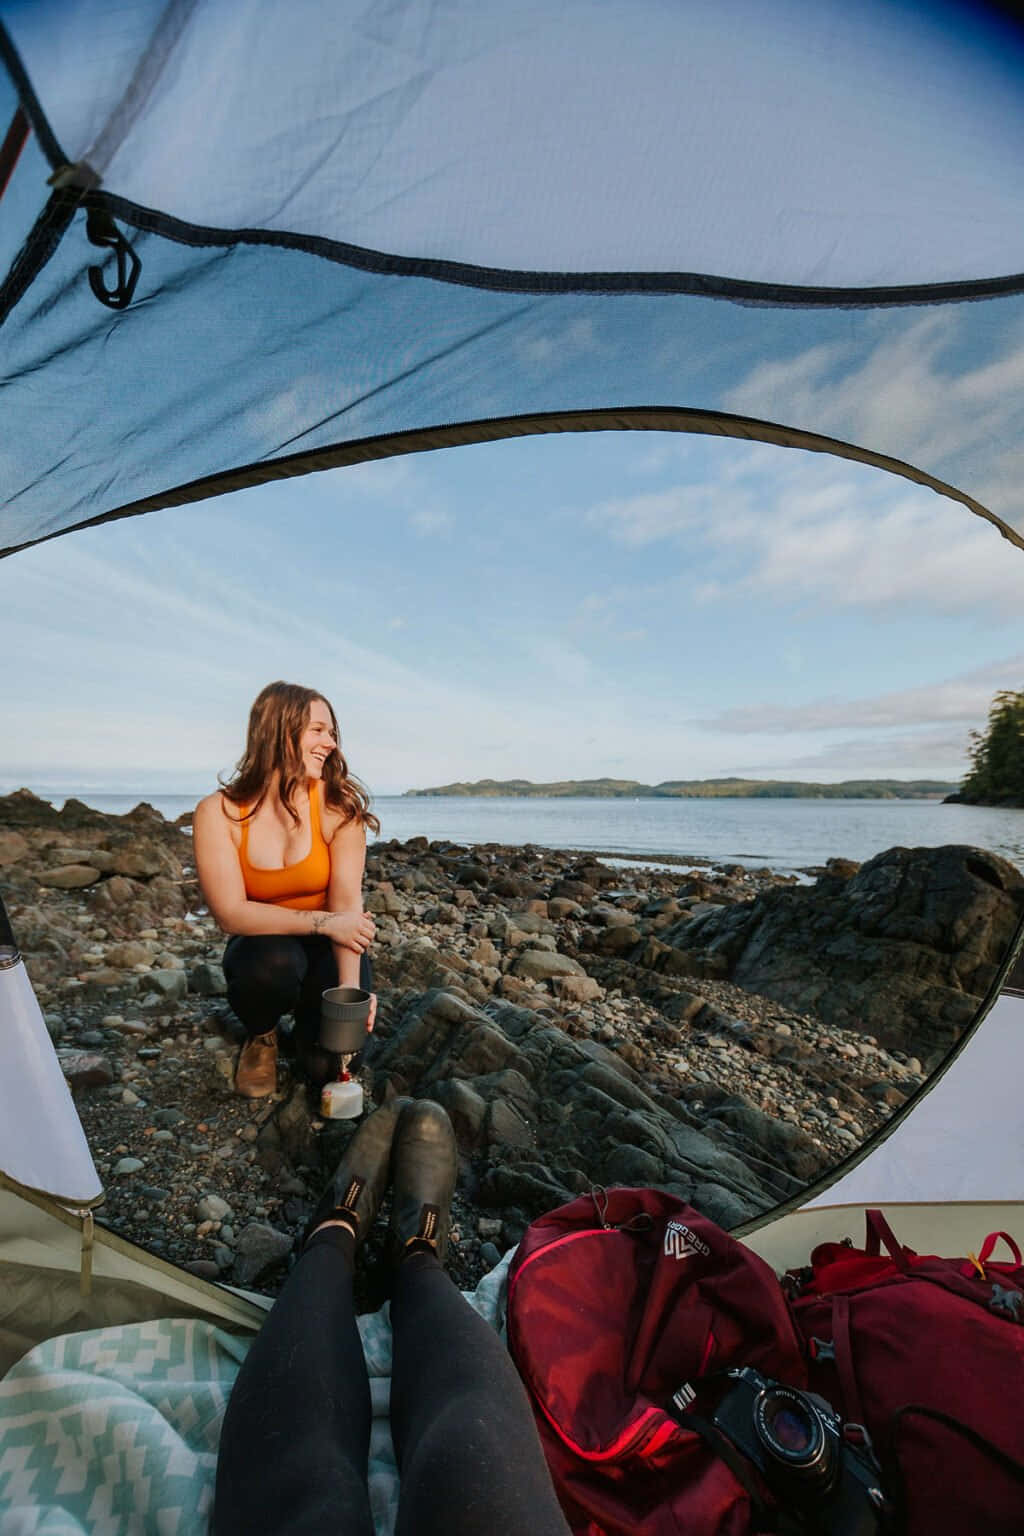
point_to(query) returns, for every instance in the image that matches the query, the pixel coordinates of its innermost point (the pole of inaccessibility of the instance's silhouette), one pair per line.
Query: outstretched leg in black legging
(296, 1435)
(467, 1447)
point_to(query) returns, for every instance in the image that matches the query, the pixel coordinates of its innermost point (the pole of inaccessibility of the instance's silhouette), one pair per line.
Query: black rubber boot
(360, 1179)
(424, 1168)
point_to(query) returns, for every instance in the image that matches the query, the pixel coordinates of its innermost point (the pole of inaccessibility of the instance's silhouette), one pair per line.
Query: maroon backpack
(615, 1301)
(928, 1354)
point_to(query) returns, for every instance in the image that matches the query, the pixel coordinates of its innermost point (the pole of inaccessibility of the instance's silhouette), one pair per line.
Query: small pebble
(213, 1208)
(205, 1269)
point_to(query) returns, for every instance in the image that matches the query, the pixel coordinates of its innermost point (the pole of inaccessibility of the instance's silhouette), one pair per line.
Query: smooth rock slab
(213, 1208)
(203, 1269)
(577, 989)
(55, 1026)
(259, 1248)
(165, 1118)
(466, 1108)
(504, 1124)
(130, 953)
(170, 986)
(71, 877)
(12, 847)
(133, 1027)
(207, 979)
(542, 965)
(141, 860)
(84, 1069)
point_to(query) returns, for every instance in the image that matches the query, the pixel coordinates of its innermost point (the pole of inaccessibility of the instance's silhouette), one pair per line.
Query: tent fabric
(947, 1229)
(355, 224)
(161, 1387)
(35, 1093)
(509, 137)
(964, 1137)
(44, 1292)
(342, 231)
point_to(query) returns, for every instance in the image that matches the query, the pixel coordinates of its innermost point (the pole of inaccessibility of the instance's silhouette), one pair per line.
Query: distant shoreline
(691, 789)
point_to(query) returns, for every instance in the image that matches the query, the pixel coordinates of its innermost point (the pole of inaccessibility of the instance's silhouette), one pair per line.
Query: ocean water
(781, 834)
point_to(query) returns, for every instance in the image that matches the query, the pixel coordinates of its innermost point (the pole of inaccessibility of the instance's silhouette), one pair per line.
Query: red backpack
(927, 1354)
(615, 1301)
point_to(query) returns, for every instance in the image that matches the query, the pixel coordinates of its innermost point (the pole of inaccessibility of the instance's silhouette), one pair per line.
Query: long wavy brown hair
(277, 720)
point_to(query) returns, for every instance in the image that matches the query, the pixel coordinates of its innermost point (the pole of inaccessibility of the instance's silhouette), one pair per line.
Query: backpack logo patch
(681, 1243)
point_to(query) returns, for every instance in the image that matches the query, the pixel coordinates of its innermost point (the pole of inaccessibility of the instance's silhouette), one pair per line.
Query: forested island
(997, 757)
(698, 789)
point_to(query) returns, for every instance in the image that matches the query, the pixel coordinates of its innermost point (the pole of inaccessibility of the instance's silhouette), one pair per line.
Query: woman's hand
(352, 930)
(372, 1019)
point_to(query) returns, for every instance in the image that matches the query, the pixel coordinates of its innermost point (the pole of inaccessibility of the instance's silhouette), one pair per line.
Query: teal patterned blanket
(115, 1432)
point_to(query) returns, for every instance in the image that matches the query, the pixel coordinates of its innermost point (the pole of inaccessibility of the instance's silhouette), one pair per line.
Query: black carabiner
(101, 230)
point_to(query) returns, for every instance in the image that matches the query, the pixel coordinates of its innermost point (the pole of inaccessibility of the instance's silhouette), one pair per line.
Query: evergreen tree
(997, 755)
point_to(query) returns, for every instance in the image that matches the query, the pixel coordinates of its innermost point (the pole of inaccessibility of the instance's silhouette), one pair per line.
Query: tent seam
(448, 435)
(464, 274)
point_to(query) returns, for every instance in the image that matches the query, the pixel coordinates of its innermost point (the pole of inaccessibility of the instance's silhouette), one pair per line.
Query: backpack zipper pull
(641, 1222)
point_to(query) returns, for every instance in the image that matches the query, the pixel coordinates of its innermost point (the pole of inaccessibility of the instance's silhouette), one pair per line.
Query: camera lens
(791, 1432)
(790, 1428)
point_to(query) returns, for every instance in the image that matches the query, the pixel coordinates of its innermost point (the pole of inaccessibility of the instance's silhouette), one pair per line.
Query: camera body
(796, 1441)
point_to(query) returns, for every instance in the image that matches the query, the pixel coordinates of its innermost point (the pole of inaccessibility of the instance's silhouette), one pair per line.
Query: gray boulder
(207, 979)
(904, 949)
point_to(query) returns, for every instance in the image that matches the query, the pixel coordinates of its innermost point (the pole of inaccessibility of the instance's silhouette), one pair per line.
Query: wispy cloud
(791, 526)
(431, 522)
(559, 661)
(964, 700)
(911, 396)
(579, 338)
(508, 641)
(924, 754)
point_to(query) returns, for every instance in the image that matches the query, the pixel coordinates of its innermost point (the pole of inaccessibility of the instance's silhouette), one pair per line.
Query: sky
(638, 605)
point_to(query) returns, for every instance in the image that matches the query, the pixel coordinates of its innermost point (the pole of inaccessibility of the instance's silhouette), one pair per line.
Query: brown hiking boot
(256, 1072)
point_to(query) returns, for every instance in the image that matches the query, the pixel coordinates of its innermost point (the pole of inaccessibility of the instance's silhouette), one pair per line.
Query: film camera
(798, 1444)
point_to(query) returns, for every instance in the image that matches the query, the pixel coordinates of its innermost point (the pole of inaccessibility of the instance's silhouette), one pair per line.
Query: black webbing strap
(979, 1441)
(739, 1465)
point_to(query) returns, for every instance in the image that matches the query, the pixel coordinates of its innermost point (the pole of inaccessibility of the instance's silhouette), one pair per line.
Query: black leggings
(293, 1451)
(270, 975)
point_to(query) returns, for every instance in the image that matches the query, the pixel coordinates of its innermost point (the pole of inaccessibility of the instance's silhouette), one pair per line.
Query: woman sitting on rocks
(280, 852)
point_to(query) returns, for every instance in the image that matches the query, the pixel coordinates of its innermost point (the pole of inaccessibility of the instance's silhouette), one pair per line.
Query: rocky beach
(726, 1033)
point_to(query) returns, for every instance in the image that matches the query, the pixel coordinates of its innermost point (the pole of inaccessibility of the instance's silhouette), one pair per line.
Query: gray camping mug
(344, 1012)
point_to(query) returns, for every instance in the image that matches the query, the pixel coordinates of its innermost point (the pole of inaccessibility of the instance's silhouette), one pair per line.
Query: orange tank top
(303, 885)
